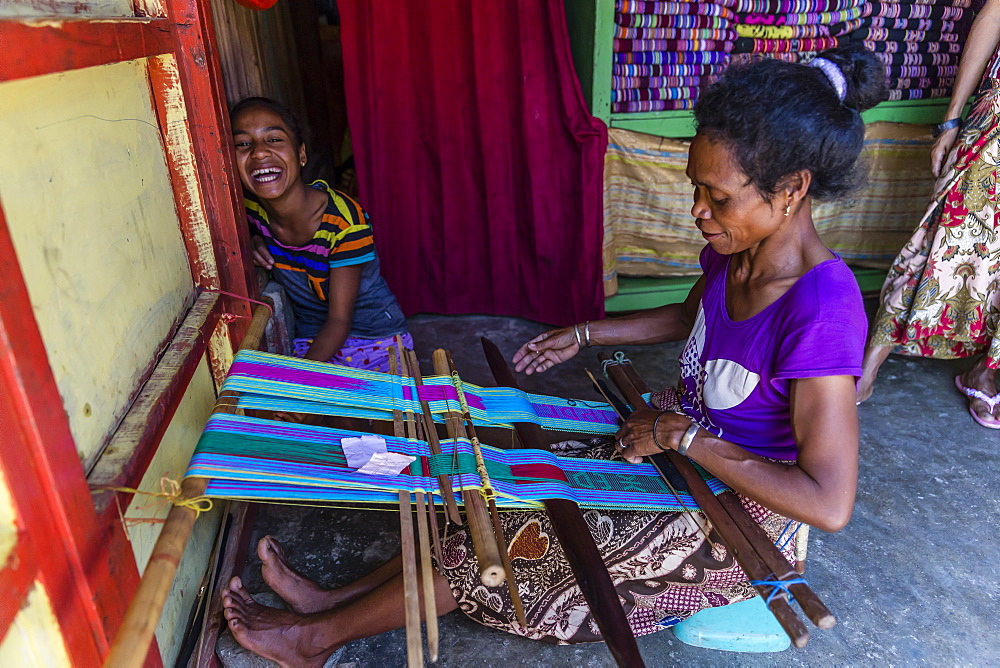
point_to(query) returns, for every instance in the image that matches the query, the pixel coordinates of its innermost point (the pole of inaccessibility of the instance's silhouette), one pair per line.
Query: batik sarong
(664, 569)
(941, 298)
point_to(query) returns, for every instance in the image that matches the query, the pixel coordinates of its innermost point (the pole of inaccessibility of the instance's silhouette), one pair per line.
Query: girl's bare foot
(285, 637)
(300, 593)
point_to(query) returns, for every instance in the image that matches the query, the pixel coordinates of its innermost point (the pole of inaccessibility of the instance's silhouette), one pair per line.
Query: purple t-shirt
(735, 375)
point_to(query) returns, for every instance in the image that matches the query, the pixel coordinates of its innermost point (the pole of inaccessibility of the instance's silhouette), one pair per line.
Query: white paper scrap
(386, 463)
(359, 450)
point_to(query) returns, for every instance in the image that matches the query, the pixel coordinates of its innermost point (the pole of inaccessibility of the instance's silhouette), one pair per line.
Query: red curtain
(476, 156)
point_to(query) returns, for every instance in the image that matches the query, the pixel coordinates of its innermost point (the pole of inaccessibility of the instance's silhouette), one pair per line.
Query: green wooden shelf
(638, 294)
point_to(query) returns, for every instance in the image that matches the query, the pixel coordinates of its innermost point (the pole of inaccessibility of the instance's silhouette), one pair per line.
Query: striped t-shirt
(344, 238)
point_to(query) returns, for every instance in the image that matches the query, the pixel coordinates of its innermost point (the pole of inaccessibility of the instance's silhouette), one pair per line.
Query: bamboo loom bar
(573, 534)
(411, 594)
(131, 644)
(467, 429)
(484, 543)
(811, 604)
(732, 525)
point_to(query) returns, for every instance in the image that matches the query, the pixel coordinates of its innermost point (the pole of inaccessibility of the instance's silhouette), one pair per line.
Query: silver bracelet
(688, 438)
(586, 333)
(576, 330)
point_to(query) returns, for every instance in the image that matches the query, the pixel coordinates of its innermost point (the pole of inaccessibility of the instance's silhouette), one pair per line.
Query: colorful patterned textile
(792, 6)
(782, 32)
(667, 10)
(876, 35)
(686, 21)
(623, 83)
(914, 47)
(900, 10)
(800, 19)
(359, 353)
(678, 70)
(942, 296)
(675, 33)
(672, 57)
(917, 94)
(897, 83)
(919, 59)
(921, 71)
(653, 8)
(638, 106)
(748, 45)
(663, 568)
(625, 45)
(649, 94)
(947, 27)
(649, 231)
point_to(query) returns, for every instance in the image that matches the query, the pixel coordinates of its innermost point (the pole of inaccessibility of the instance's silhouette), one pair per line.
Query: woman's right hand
(941, 149)
(546, 350)
(261, 256)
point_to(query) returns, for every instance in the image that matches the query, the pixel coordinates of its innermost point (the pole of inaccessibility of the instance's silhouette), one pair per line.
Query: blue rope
(778, 585)
(619, 358)
(783, 544)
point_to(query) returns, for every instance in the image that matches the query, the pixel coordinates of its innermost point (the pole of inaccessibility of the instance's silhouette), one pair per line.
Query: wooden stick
(427, 576)
(447, 494)
(724, 524)
(484, 543)
(576, 539)
(131, 644)
(411, 593)
(811, 604)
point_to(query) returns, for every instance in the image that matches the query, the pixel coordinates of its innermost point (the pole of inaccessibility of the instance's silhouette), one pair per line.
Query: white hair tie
(833, 73)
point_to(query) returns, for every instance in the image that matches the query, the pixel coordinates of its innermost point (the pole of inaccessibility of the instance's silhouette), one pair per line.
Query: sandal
(973, 393)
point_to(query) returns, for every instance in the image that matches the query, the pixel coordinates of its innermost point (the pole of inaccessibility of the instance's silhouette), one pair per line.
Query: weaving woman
(775, 332)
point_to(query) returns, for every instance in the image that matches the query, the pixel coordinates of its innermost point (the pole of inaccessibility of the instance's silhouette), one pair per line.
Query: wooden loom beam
(135, 635)
(576, 540)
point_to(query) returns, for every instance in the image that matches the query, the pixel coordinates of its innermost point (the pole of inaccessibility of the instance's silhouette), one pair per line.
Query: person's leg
(875, 356)
(984, 379)
(305, 596)
(292, 639)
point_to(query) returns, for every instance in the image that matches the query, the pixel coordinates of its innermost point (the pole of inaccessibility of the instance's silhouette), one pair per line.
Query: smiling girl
(316, 241)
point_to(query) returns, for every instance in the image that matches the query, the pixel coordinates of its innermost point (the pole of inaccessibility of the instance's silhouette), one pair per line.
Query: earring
(303, 163)
(788, 208)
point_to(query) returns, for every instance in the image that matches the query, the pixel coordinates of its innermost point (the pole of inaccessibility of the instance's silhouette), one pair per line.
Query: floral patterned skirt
(941, 298)
(663, 568)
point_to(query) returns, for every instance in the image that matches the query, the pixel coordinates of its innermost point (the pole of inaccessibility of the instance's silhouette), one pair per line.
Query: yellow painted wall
(33, 639)
(87, 196)
(171, 461)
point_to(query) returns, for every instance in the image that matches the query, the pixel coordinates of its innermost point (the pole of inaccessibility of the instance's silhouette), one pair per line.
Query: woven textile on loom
(257, 459)
(649, 231)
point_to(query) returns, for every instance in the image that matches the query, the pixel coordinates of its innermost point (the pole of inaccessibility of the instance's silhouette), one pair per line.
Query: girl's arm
(979, 47)
(818, 489)
(343, 292)
(672, 322)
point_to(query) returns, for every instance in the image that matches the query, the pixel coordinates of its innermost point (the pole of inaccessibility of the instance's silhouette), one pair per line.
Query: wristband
(655, 423)
(950, 124)
(688, 438)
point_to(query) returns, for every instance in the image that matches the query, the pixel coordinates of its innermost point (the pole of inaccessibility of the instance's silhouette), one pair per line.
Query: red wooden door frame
(82, 558)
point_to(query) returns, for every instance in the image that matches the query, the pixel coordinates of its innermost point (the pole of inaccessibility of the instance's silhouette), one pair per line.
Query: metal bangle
(586, 333)
(688, 438)
(576, 330)
(656, 422)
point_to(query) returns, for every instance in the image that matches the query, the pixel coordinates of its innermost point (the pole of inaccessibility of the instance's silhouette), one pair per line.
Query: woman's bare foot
(984, 379)
(300, 593)
(285, 637)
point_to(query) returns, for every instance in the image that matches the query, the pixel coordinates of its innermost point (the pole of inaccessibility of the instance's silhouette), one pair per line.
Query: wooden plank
(60, 45)
(17, 576)
(211, 143)
(43, 470)
(130, 450)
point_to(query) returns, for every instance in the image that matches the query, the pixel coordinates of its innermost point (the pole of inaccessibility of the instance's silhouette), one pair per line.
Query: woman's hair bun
(864, 72)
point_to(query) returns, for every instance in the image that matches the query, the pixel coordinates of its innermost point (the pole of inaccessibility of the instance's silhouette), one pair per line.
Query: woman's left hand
(635, 439)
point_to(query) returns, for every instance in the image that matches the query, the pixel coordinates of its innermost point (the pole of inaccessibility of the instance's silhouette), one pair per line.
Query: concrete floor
(912, 579)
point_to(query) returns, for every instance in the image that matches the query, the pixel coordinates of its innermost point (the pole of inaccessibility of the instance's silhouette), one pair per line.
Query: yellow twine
(487, 489)
(170, 490)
